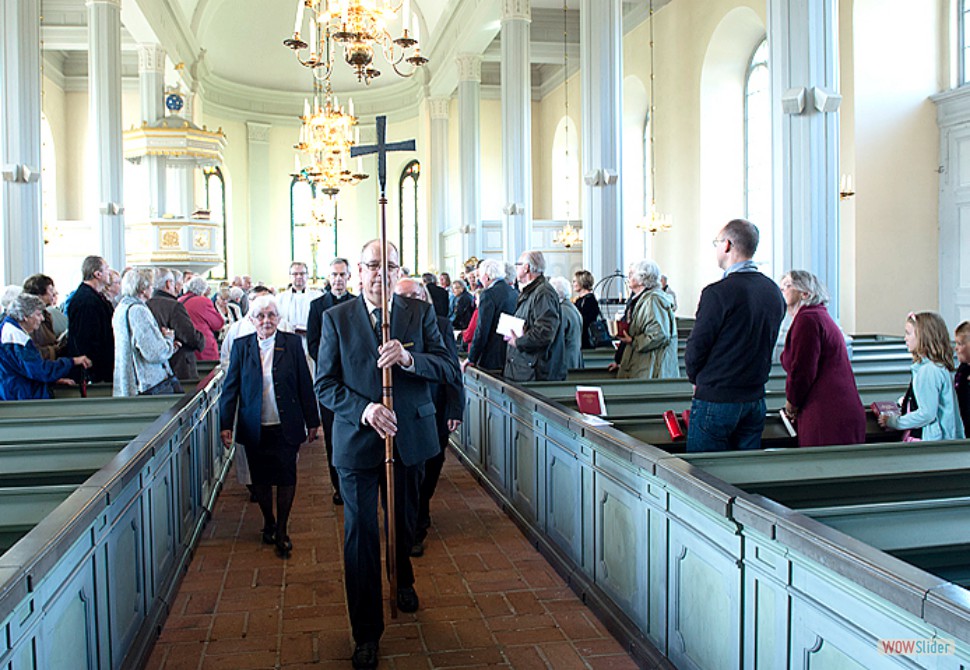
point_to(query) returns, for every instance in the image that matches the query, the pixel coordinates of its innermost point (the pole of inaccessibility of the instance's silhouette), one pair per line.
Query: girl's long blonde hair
(932, 339)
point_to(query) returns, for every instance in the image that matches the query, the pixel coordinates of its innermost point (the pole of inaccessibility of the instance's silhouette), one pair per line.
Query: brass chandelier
(326, 136)
(361, 28)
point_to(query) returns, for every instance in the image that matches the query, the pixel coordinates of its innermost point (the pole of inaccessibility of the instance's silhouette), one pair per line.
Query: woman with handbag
(930, 405)
(588, 306)
(142, 349)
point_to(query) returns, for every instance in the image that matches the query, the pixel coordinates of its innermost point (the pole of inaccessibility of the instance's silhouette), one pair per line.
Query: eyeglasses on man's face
(375, 266)
(266, 316)
(718, 240)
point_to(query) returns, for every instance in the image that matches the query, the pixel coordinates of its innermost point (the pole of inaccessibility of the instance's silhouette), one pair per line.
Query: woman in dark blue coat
(268, 381)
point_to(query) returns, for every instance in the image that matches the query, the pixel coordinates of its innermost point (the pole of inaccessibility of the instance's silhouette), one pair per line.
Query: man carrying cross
(348, 382)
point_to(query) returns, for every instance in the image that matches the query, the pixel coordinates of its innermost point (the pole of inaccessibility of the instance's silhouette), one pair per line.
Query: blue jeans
(723, 426)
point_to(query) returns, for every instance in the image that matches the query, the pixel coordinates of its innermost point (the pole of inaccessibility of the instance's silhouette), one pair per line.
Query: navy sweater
(728, 355)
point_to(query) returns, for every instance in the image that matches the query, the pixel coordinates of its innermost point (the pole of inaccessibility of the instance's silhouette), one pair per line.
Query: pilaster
(469, 133)
(516, 125)
(20, 110)
(601, 66)
(104, 77)
(151, 84)
(260, 216)
(438, 109)
(803, 42)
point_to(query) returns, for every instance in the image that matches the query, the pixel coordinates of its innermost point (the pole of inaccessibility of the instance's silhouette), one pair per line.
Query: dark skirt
(273, 460)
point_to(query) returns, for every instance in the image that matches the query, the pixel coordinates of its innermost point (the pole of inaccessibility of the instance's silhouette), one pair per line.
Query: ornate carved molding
(258, 132)
(439, 108)
(517, 9)
(469, 67)
(151, 58)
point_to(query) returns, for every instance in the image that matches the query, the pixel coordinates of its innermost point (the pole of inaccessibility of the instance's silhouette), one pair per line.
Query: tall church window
(408, 230)
(301, 216)
(215, 202)
(757, 149)
(565, 171)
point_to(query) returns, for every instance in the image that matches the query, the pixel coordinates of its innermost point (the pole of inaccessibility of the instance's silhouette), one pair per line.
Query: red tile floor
(488, 598)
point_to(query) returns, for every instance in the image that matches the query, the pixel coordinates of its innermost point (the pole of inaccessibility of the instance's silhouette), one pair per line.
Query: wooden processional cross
(381, 149)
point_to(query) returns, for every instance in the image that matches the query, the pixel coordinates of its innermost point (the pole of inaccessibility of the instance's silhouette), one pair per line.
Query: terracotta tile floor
(488, 598)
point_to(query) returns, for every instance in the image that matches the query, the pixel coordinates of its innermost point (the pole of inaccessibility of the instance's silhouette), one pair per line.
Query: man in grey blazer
(348, 382)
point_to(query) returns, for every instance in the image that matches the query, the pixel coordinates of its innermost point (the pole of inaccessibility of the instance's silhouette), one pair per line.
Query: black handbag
(599, 333)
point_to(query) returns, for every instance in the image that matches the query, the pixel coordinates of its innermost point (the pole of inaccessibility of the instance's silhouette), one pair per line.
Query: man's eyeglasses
(717, 240)
(266, 316)
(374, 266)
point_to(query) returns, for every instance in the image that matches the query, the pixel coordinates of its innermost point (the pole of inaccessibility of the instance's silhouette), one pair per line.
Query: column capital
(469, 67)
(517, 9)
(257, 131)
(114, 3)
(439, 108)
(151, 58)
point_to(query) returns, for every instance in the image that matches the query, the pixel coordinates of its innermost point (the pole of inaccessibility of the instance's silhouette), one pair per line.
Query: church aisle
(488, 598)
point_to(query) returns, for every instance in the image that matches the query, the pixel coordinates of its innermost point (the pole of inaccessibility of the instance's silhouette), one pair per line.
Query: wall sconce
(846, 189)
(513, 208)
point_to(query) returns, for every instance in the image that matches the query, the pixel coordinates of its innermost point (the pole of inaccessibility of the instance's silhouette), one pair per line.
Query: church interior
(178, 133)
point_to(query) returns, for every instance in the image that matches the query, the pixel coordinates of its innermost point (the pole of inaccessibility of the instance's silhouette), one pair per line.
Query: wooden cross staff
(381, 149)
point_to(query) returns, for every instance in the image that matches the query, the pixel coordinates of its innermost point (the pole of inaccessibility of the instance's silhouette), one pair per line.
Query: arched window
(963, 23)
(565, 171)
(757, 150)
(408, 192)
(215, 202)
(301, 216)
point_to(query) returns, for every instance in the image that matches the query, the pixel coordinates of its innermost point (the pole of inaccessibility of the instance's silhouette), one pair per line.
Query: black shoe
(365, 655)
(269, 534)
(252, 493)
(407, 599)
(337, 499)
(284, 547)
(417, 549)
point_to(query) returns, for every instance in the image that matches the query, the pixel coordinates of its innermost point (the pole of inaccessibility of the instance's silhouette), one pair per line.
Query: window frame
(411, 171)
(752, 66)
(209, 173)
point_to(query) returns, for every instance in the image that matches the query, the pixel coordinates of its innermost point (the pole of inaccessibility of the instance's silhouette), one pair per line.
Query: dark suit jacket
(89, 332)
(464, 306)
(170, 313)
(449, 399)
(348, 380)
(317, 307)
(439, 296)
(244, 389)
(488, 347)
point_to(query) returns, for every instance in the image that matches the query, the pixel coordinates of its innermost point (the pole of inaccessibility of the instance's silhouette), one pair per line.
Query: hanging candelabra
(326, 136)
(654, 222)
(567, 236)
(360, 27)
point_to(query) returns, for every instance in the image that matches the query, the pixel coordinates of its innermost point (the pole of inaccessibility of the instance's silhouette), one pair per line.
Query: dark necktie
(376, 313)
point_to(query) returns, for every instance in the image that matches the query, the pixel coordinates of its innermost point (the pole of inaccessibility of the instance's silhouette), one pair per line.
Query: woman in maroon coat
(821, 393)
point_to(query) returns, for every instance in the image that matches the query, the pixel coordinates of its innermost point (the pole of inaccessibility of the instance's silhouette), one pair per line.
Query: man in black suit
(338, 293)
(439, 296)
(348, 382)
(89, 331)
(488, 347)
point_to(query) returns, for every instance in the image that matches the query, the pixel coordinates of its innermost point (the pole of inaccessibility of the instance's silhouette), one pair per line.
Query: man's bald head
(411, 288)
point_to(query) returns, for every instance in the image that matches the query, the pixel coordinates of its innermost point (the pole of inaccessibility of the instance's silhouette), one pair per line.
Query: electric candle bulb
(299, 18)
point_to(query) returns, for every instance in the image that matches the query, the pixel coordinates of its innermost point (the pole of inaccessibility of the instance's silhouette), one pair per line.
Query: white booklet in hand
(509, 325)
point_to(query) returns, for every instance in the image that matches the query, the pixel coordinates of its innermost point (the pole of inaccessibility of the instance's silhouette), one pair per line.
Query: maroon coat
(820, 382)
(207, 321)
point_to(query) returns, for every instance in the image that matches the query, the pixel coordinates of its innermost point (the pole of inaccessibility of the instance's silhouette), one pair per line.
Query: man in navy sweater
(728, 355)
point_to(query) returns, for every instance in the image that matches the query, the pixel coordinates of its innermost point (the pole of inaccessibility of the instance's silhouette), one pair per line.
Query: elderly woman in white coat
(142, 349)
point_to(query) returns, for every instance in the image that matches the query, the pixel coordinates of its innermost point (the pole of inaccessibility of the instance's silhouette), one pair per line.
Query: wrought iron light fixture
(361, 28)
(654, 222)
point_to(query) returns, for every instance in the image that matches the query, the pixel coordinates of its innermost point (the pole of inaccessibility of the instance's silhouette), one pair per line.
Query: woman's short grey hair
(646, 272)
(197, 285)
(236, 293)
(24, 305)
(805, 282)
(562, 287)
(510, 273)
(262, 302)
(10, 294)
(492, 268)
(136, 281)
